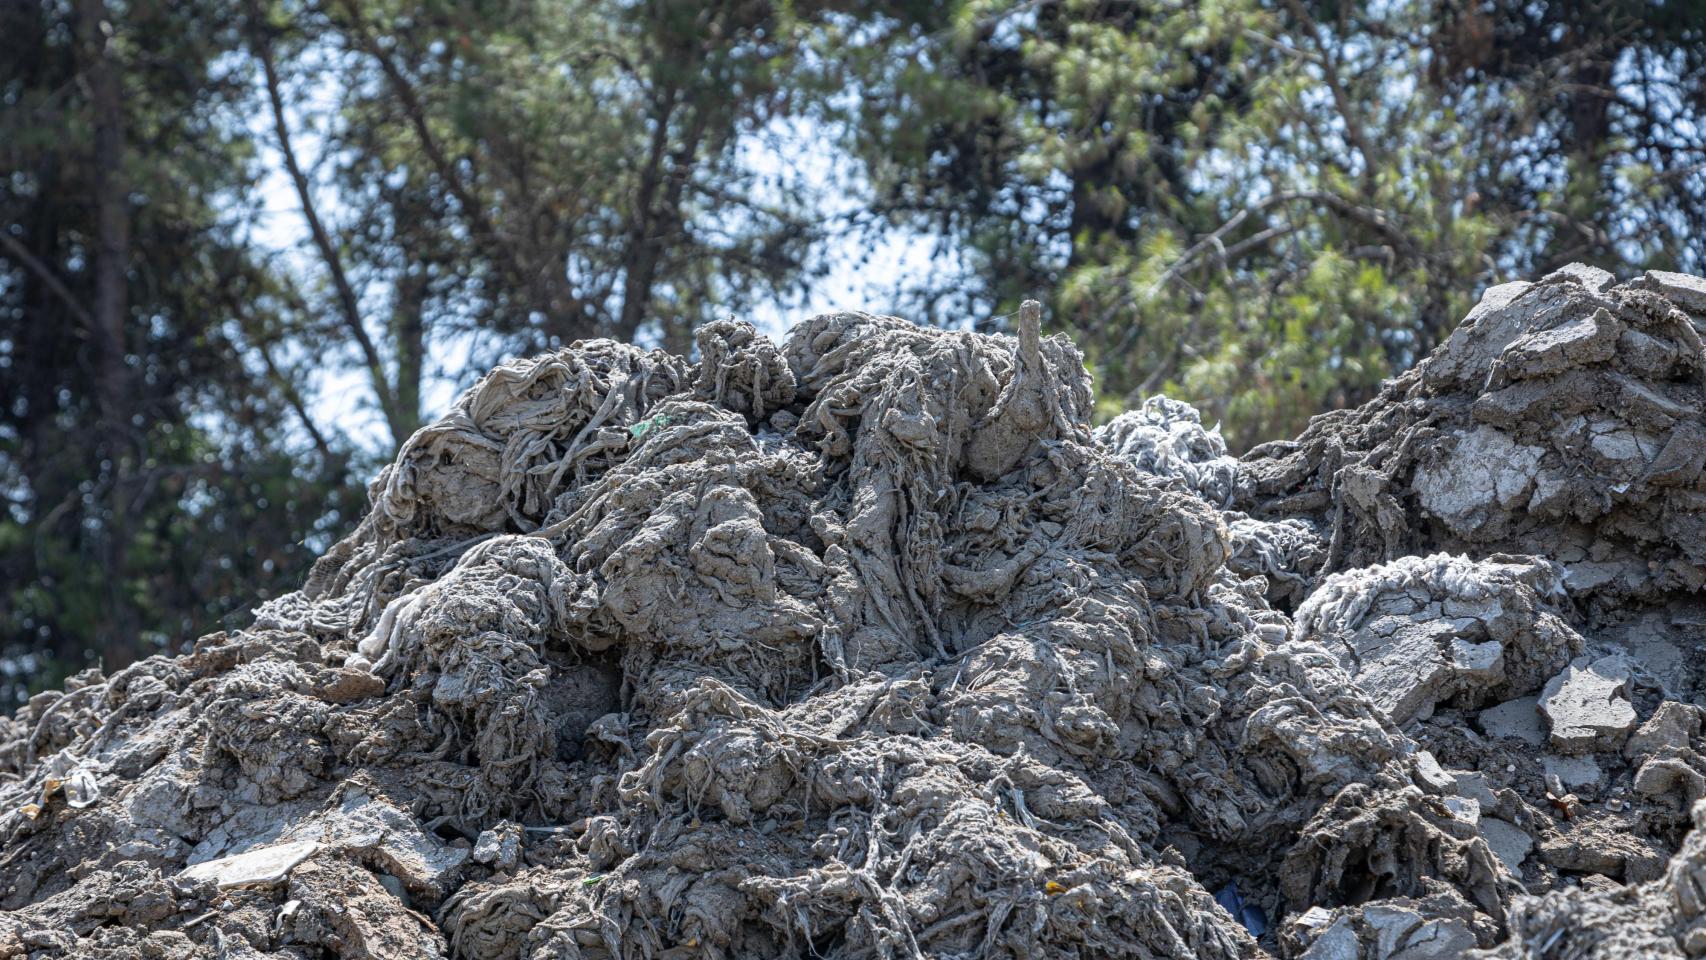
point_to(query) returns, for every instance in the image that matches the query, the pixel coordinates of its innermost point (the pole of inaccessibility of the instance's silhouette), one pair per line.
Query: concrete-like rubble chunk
(1421, 631)
(1582, 771)
(1473, 784)
(259, 867)
(1672, 727)
(1403, 674)
(1400, 933)
(1685, 291)
(1681, 459)
(1549, 415)
(1504, 312)
(1509, 842)
(363, 823)
(1587, 275)
(1519, 718)
(1432, 776)
(1337, 942)
(1672, 776)
(1592, 339)
(1465, 816)
(1588, 706)
(499, 847)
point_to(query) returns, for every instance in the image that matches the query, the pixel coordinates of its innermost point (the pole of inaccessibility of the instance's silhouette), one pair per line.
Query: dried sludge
(867, 645)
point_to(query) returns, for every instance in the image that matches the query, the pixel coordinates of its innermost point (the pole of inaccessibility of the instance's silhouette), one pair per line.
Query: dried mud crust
(867, 645)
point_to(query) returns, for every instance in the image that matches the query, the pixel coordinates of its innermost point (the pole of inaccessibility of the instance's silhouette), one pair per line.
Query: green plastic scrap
(639, 429)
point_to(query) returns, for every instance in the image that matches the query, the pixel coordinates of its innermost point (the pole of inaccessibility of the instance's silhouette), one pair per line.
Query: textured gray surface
(864, 645)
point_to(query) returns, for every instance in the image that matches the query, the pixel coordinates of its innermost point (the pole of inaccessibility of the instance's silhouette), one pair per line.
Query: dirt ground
(868, 645)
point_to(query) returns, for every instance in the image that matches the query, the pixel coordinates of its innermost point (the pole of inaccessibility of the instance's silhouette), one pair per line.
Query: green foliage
(1268, 207)
(551, 171)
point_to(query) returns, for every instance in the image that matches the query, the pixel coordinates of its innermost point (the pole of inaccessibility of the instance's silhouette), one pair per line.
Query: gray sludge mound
(867, 645)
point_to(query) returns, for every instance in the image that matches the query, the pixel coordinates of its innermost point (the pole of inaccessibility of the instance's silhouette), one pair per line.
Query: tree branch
(294, 399)
(349, 305)
(1367, 216)
(1330, 71)
(23, 255)
(551, 291)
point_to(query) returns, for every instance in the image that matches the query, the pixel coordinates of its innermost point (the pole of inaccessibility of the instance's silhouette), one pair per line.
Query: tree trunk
(409, 330)
(112, 305)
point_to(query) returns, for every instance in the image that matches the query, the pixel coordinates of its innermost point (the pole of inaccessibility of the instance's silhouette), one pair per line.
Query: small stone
(1474, 785)
(1337, 942)
(1432, 776)
(1685, 291)
(1588, 707)
(1479, 661)
(499, 847)
(1662, 775)
(1545, 352)
(1510, 843)
(1519, 718)
(1592, 277)
(486, 848)
(1391, 926)
(1671, 726)
(266, 866)
(1571, 771)
(1465, 816)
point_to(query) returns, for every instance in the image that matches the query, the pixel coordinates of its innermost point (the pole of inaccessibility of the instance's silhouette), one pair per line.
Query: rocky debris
(1423, 630)
(1518, 718)
(1560, 419)
(866, 644)
(1661, 917)
(1572, 771)
(263, 866)
(1510, 843)
(1688, 293)
(1588, 706)
(500, 846)
(1437, 927)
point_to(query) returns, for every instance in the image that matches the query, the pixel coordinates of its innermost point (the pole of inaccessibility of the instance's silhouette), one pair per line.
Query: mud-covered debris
(866, 644)
(500, 847)
(1685, 291)
(1561, 419)
(1519, 718)
(1431, 928)
(261, 866)
(1167, 438)
(1422, 630)
(1588, 706)
(1663, 917)
(1510, 843)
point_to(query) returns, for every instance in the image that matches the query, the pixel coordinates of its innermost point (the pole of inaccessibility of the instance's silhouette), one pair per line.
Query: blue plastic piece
(1250, 915)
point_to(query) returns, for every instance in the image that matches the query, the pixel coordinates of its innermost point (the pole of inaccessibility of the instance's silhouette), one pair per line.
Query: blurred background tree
(151, 486)
(246, 248)
(1268, 206)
